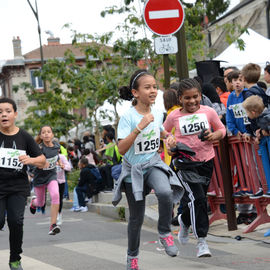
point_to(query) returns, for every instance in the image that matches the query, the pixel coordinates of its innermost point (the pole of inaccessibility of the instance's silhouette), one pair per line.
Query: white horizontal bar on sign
(164, 14)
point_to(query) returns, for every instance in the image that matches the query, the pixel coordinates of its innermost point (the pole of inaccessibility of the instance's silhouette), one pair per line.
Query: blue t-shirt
(147, 142)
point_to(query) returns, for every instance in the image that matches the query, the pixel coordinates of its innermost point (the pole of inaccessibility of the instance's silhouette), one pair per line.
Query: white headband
(139, 74)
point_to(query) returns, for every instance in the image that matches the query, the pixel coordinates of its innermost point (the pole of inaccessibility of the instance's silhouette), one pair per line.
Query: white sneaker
(203, 250)
(183, 232)
(59, 220)
(83, 209)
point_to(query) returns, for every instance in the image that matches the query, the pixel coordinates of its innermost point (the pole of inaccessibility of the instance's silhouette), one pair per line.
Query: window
(36, 81)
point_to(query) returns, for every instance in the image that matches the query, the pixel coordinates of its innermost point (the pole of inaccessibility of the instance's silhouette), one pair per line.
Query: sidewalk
(218, 230)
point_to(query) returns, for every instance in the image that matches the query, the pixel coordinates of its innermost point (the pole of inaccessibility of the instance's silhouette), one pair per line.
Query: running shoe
(15, 265)
(240, 193)
(257, 195)
(168, 243)
(33, 208)
(54, 229)
(183, 232)
(132, 263)
(81, 209)
(203, 250)
(267, 194)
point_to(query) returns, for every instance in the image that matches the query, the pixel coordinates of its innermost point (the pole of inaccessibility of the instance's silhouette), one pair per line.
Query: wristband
(137, 132)
(138, 129)
(168, 135)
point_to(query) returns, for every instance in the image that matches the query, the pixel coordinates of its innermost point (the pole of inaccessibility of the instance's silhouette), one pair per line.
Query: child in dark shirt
(47, 177)
(17, 150)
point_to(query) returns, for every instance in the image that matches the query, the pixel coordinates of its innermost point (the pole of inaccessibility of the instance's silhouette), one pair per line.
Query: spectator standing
(221, 89)
(251, 74)
(255, 109)
(267, 77)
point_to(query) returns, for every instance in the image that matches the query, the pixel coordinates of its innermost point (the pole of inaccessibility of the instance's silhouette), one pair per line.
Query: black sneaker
(251, 218)
(257, 195)
(54, 229)
(242, 218)
(239, 194)
(32, 208)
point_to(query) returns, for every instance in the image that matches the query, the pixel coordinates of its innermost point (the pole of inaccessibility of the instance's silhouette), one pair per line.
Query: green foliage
(232, 32)
(122, 213)
(73, 179)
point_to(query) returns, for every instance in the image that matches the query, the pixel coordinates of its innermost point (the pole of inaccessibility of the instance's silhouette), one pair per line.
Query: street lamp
(35, 11)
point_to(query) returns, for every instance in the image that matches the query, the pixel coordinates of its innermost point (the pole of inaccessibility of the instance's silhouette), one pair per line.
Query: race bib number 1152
(9, 158)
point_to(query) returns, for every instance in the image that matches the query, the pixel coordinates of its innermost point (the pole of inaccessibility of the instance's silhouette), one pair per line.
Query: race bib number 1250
(9, 158)
(192, 124)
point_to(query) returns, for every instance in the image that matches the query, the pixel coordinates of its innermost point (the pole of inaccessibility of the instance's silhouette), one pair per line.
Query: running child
(189, 122)
(47, 177)
(62, 167)
(17, 150)
(139, 132)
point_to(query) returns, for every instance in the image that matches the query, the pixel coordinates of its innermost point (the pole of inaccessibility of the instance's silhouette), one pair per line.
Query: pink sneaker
(132, 263)
(168, 243)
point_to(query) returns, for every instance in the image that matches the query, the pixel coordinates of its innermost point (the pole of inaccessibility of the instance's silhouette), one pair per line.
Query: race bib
(147, 141)
(191, 124)
(52, 161)
(239, 112)
(9, 158)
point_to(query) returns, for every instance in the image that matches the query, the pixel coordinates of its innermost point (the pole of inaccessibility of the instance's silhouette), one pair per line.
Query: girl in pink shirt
(62, 166)
(189, 123)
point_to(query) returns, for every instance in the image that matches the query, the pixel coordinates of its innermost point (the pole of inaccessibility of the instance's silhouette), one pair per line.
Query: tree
(71, 86)
(196, 17)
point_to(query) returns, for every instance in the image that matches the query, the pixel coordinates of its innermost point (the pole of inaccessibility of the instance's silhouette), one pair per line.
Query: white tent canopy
(257, 50)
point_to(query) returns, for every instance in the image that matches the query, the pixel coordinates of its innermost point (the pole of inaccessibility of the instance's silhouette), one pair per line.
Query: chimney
(17, 49)
(53, 41)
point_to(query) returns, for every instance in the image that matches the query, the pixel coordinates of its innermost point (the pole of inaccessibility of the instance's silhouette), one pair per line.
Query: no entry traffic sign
(164, 17)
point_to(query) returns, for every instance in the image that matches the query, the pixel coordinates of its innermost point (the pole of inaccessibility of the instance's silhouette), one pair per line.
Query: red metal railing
(247, 170)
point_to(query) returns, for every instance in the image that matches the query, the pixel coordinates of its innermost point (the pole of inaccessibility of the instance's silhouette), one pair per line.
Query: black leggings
(61, 195)
(14, 204)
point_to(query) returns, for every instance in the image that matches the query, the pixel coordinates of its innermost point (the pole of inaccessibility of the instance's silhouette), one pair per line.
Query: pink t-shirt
(189, 125)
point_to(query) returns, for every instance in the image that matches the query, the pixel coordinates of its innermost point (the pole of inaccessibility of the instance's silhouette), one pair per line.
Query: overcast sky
(17, 19)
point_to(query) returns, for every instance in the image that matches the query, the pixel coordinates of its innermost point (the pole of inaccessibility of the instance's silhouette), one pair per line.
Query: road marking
(27, 263)
(48, 222)
(147, 259)
(164, 14)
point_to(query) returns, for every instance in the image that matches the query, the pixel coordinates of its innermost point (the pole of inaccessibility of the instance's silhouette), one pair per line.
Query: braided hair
(188, 84)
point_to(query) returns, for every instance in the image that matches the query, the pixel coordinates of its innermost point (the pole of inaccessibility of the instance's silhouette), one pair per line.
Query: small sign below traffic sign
(166, 45)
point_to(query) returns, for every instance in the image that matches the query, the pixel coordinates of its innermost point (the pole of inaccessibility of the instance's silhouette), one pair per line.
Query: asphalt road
(90, 241)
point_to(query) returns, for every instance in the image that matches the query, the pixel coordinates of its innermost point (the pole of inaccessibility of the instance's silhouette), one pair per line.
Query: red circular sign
(164, 17)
